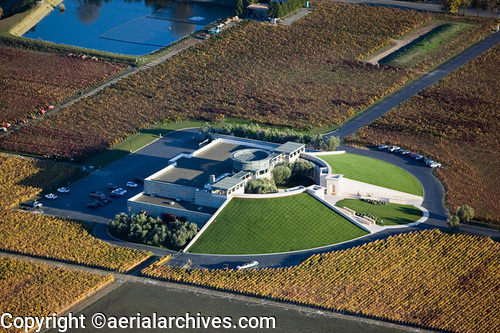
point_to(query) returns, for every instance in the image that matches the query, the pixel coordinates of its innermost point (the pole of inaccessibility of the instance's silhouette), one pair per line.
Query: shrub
(281, 174)
(145, 229)
(261, 186)
(375, 202)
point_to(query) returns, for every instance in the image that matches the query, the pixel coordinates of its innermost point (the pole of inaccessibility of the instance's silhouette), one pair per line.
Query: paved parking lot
(142, 163)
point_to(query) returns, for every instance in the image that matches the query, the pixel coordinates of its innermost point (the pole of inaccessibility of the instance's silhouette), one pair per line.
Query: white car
(393, 148)
(435, 165)
(51, 196)
(119, 191)
(382, 147)
(63, 190)
(132, 184)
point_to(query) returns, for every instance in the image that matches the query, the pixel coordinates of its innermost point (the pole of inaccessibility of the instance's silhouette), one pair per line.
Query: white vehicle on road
(248, 265)
(131, 184)
(63, 190)
(51, 196)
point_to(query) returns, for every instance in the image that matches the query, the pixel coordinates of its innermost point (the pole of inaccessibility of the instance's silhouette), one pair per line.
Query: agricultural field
(46, 236)
(391, 214)
(31, 81)
(452, 36)
(176, 300)
(297, 222)
(30, 289)
(456, 123)
(429, 279)
(372, 171)
(261, 73)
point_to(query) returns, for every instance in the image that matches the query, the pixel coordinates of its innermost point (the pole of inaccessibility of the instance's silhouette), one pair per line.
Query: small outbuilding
(258, 10)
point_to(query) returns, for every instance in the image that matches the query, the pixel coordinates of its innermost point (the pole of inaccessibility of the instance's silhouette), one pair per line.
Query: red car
(43, 111)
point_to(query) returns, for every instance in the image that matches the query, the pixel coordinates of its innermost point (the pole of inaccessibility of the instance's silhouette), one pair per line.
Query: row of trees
(254, 131)
(167, 231)
(453, 6)
(279, 8)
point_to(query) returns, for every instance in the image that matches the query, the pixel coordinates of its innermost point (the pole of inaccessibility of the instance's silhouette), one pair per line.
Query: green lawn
(391, 213)
(136, 142)
(372, 171)
(410, 54)
(251, 226)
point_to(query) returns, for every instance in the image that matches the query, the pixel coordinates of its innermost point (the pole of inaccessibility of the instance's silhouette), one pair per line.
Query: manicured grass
(136, 142)
(372, 171)
(392, 214)
(426, 44)
(251, 226)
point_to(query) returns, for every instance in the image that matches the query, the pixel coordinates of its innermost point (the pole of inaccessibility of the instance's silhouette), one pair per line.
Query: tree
(330, 143)
(260, 186)
(1, 12)
(239, 7)
(281, 174)
(453, 6)
(273, 9)
(453, 222)
(465, 213)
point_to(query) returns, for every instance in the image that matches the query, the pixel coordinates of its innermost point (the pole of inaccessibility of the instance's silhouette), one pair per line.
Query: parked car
(99, 203)
(105, 200)
(111, 186)
(114, 195)
(92, 205)
(51, 196)
(138, 180)
(33, 204)
(131, 184)
(393, 148)
(119, 191)
(43, 111)
(51, 107)
(382, 147)
(418, 157)
(63, 190)
(404, 152)
(97, 194)
(3, 129)
(435, 165)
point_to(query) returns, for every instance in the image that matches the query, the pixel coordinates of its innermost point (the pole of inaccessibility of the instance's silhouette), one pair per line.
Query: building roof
(248, 155)
(289, 147)
(195, 171)
(227, 183)
(258, 6)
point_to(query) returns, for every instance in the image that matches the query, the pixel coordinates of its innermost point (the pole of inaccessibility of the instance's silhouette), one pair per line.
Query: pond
(126, 27)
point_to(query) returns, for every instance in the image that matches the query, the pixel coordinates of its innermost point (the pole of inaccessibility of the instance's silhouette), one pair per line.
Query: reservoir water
(126, 27)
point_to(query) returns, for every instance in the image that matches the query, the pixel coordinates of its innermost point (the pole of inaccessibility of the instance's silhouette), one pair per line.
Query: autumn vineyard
(32, 81)
(425, 278)
(31, 289)
(259, 73)
(455, 122)
(46, 236)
